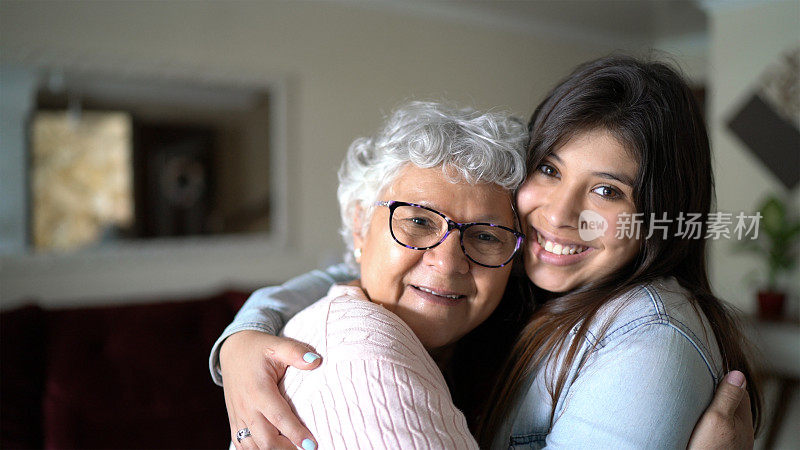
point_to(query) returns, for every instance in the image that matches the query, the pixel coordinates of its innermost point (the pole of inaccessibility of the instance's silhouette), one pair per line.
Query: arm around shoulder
(268, 309)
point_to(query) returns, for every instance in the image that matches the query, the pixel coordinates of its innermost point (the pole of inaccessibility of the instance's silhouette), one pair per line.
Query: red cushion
(22, 337)
(136, 376)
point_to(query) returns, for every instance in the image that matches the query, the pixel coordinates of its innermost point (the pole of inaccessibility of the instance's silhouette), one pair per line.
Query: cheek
(629, 248)
(610, 235)
(625, 247)
(526, 197)
(373, 258)
(385, 263)
(491, 285)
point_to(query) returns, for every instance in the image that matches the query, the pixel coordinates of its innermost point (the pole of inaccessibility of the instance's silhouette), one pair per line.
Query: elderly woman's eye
(483, 237)
(487, 237)
(420, 221)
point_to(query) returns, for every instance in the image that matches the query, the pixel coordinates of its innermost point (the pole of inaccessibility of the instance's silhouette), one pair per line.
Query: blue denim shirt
(648, 380)
(644, 386)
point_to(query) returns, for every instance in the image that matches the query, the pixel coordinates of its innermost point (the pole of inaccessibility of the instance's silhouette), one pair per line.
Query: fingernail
(309, 358)
(308, 444)
(736, 378)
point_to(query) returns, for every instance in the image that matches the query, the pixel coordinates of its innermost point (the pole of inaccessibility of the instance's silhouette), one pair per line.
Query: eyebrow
(480, 219)
(615, 176)
(607, 175)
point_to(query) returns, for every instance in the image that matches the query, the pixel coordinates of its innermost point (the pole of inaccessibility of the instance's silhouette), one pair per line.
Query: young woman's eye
(607, 192)
(547, 170)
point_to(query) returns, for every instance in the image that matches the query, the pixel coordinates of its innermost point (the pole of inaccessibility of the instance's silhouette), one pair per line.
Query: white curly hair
(469, 145)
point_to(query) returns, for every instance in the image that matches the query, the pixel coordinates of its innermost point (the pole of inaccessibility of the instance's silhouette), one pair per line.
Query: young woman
(626, 343)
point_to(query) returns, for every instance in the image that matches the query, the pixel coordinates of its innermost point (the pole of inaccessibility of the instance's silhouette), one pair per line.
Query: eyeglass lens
(417, 227)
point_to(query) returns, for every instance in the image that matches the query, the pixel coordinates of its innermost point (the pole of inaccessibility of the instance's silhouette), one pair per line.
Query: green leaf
(773, 213)
(778, 238)
(793, 231)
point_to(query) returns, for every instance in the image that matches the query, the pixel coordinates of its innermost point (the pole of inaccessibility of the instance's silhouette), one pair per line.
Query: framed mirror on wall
(130, 158)
(127, 179)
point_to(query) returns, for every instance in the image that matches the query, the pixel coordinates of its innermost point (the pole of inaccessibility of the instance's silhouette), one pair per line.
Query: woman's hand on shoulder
(252, 364)
(727, 423)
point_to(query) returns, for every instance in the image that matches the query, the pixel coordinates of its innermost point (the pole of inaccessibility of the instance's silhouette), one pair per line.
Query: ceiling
(627, 17)
(599, 21)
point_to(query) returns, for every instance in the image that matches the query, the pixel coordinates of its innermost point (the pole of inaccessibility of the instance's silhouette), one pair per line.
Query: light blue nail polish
(308, 444)
(309, 358)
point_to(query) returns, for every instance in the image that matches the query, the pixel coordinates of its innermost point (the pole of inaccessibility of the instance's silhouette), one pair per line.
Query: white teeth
(559, 249)
(436, 293)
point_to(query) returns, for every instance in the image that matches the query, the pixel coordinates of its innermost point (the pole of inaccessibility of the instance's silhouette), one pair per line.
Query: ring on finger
(242, 434)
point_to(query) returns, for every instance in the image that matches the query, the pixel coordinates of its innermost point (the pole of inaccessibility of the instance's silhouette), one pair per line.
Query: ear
(357, 218)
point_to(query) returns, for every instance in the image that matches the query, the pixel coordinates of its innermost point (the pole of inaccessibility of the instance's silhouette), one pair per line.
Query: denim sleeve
(645, 391)
(268, 309)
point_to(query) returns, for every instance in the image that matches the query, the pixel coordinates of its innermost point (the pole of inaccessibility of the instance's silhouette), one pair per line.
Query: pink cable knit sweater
(377, 387)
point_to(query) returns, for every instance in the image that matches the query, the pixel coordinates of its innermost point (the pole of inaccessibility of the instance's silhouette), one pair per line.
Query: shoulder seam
(658, 317)
(657, 304)
(656, 321)
(694, 339)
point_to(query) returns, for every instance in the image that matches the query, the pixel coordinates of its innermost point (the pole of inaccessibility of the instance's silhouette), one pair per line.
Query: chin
(550, 282)
(435, 342)
(554, 287)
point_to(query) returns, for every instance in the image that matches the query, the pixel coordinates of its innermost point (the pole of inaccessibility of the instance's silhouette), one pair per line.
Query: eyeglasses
(421, 228)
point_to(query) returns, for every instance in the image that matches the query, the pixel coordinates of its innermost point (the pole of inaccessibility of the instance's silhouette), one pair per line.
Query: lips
(439, 293)
(568, 252)
(559, 249)
(438, 296)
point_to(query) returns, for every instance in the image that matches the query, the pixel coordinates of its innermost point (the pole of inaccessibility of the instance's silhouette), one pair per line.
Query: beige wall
(343, 67)
(745, 38)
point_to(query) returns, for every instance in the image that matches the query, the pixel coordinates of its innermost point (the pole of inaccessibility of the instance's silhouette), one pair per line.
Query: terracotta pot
(770, 304)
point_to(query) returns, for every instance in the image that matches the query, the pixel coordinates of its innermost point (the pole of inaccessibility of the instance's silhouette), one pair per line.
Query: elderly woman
(428, 217)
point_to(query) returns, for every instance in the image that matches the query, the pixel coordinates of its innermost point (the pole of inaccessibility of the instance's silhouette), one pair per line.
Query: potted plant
(777, 240)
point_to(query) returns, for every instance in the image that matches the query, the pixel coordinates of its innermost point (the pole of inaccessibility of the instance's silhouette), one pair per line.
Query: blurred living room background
(160, 160)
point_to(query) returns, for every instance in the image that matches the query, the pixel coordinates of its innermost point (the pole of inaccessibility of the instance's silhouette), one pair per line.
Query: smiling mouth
(438, 294)
(559, 249)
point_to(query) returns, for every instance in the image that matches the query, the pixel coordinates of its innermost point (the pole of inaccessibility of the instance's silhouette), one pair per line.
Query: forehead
(459, 200)
(598, 150)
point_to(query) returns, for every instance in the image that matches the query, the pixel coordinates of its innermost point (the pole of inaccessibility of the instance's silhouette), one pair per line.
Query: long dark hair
(651, 111)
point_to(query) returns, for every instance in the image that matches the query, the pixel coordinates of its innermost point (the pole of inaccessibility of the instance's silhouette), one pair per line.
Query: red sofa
(113, 377)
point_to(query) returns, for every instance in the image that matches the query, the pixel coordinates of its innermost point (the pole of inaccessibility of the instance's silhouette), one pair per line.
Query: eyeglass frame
(452, 225)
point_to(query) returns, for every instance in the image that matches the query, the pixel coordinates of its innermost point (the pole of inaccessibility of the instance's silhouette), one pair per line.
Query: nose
(448, 257)
(562, 206)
